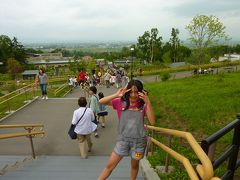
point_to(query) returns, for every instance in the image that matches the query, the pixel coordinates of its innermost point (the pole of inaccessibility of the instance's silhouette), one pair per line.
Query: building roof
(177, 64)
(58, 61)
(30, 72)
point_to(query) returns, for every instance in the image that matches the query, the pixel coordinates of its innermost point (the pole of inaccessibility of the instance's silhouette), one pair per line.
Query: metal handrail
(26, 90)
(205, 169)
(13, 135)
(33, 131)
(22, 126)
(6, 95)
(60, 88)
(230, 154)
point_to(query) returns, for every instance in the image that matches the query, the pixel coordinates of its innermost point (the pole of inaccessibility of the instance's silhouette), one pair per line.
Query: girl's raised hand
(122, 91)
(144, 96)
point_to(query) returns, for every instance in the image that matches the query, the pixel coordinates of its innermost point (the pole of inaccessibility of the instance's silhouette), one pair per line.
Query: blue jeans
(43, 89)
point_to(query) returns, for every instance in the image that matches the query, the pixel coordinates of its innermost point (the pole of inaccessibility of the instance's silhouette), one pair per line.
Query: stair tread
(70, 168)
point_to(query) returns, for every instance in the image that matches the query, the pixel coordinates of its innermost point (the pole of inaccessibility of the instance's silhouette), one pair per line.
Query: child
(93, 104)
(102, 111)
(131, 103)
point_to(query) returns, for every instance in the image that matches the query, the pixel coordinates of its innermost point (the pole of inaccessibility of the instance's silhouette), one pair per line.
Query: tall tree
(175, 45)
(13, 67)
(5, 48)
(150, 45)
(204, 32)
(18, 50)
(143, 45)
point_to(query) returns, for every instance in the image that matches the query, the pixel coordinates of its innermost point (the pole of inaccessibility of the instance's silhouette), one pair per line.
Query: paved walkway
(56, 115)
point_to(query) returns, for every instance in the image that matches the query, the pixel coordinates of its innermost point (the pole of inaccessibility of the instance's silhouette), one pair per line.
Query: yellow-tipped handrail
(60, 88)
(21, 125)
(13, 135)
(33, 131)
(205, 170)
(18, 90)
(26, 90)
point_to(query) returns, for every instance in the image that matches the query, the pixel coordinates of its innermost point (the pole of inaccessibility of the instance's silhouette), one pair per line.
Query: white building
(230, 57)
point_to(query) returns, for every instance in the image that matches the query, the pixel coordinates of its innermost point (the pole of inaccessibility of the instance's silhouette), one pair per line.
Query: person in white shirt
(70, 83)
(84, 127)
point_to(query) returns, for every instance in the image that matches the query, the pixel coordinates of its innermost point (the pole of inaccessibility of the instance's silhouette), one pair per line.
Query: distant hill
(75, 45)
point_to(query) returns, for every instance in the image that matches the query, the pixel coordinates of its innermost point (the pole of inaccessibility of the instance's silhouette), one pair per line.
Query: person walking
(70, 83)
(131, 104)
(102, 111)
(94, 105)
(107, 77)
(41, 79)
(84, 127)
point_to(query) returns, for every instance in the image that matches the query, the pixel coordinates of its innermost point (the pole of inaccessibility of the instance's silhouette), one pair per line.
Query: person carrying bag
(83, 126)
(71, 132)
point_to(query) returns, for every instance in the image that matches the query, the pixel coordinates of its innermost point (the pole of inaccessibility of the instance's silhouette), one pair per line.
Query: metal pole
(31, 142)
(168, 156)
(132, 49)
(132, 69)
(9, 109)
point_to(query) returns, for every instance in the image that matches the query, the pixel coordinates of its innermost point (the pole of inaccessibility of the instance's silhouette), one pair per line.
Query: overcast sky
(109, 20)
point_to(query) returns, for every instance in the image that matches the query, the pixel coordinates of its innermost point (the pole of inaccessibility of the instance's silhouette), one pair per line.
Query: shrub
(165, 76)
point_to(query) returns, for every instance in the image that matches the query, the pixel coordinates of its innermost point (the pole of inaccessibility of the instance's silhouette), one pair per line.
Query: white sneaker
(43, 97)
(96, 135)
(46, 97)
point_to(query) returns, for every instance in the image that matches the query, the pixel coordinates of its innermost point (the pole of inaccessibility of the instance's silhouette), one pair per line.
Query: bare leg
(112, 163)
(103, 119)
(134, 168)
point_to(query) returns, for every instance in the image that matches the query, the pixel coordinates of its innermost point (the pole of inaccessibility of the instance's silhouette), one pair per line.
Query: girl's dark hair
(42, 69)
(93, 89)
(126, 96)
(82, 102)
(100, 95)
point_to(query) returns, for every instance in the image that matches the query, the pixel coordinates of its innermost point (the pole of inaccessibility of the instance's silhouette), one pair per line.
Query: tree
(143, 45)
(204, 32)
(150, 45)
(175, 44)
(13, 67)
(10, 49)
(18, 51)
(5, 48)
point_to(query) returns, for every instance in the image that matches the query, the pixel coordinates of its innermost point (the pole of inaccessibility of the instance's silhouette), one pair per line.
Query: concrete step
(11, 163)
(70, 168)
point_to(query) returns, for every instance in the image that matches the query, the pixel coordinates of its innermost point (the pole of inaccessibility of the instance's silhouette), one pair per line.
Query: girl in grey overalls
(131, 104)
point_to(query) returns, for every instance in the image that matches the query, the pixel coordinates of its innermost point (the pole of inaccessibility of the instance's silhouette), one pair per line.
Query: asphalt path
(56, 115)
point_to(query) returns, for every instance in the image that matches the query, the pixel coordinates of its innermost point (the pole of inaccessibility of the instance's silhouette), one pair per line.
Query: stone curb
(35, 98)
(148, 172)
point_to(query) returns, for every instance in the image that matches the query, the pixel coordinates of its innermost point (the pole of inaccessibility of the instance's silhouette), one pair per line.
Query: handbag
(71, 132)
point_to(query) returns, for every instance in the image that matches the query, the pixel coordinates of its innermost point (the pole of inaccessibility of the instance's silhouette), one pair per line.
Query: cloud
(61, 20)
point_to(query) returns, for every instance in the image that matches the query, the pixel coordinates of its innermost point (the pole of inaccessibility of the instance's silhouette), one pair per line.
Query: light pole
(132, 49)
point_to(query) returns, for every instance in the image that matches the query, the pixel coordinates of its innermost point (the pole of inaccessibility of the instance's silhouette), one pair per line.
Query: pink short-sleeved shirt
(117, 104)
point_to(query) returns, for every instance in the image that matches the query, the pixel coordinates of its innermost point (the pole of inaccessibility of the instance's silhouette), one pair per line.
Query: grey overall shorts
(131, 137)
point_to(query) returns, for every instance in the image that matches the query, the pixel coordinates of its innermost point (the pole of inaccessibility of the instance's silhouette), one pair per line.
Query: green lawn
(200, 105)
(211, 100)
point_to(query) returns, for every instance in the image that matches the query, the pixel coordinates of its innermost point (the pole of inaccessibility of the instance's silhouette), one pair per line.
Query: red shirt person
(81, 77)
